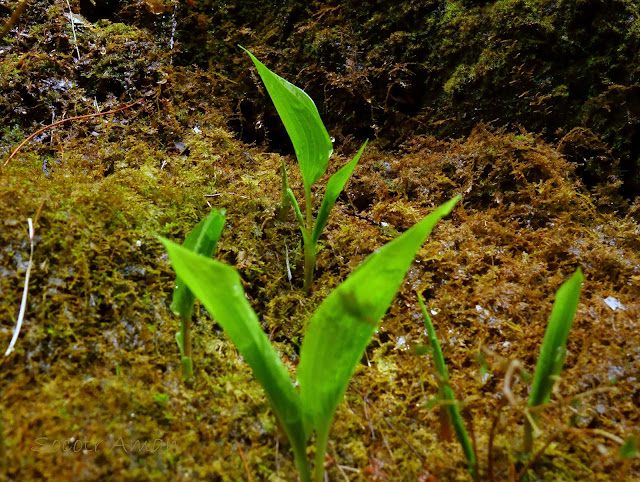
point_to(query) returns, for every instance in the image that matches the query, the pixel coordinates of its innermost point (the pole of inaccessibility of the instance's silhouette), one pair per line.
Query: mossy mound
(96, 365)
(391, 70)
(94, 389)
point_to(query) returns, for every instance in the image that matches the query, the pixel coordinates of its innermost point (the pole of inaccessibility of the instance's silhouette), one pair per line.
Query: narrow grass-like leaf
(296, 209)
(219, 288)
(343, 324)
(446, 391)
(553, 350)
(629, 449)
(284, 203)
(334, 188)
(302, 121)
(202, 240)
(308, 245)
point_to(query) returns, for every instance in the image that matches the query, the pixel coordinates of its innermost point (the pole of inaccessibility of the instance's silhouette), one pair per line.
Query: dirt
(94, 389)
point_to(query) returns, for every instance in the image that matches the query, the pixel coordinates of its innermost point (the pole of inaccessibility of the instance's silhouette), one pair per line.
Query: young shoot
(445, 393)
(554, 349)
(338, 333)
(202, 240)
(313, 148)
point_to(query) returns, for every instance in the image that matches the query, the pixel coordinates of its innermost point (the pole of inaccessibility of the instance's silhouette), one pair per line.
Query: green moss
(96, 358)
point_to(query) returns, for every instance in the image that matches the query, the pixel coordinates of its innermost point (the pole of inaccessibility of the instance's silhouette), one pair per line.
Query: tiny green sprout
(313, 148)
(202, 240)
(553, 349)
(629, 449)
(161, 399)
(445, 393)
(333, 345)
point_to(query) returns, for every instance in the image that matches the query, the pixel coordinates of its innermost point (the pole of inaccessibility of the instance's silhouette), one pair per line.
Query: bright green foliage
(337, 336)
(343, 324)
(446, 393)
(219, 288)
(553, 350)
(313, 148)
(202, 240)
(554, 345)
(334, 188)
(301, 119)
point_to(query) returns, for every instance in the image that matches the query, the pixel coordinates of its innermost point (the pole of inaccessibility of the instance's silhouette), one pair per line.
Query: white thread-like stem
(23, 304)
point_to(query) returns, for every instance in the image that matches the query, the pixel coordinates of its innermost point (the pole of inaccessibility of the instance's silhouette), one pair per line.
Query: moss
(97, 361)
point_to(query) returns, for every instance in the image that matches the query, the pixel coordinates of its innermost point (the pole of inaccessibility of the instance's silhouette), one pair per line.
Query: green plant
(313, 148)
(202, 240)
(445, 393)
(335, 340)
(553, 349)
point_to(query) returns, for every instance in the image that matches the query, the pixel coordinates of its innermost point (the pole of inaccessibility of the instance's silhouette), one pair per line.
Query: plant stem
(309, 262)
(285, 202)
(321, 448)
(301, 461)
(309, 246)
(185, 332)
(528, 437)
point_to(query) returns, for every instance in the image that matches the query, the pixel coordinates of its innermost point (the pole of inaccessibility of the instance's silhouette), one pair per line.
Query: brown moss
(97, 361)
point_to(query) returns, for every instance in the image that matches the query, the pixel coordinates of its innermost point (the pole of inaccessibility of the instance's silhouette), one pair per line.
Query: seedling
(335, 340)
(202, 240)
(313, 148)
(445, 393)
(554, 349)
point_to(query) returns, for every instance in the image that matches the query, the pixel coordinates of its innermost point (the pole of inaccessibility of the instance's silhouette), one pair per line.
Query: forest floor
(94, 389)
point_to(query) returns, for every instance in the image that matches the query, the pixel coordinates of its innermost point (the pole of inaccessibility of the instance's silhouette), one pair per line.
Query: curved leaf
(334, 188)
(302, 121)
(219, 288)
(202, 240)
(343, 324)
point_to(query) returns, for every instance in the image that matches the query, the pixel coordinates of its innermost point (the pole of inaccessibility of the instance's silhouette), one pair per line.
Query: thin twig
(25, 292)
(244, 462)
(23, 305)
(73, 29)
(79, 117)
(338, 466)
(14, 18)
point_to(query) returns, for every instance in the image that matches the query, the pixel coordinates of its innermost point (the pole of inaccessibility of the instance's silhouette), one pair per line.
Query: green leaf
(296, 209)
(447, 392)
(334, 188)
(202, 240)
(219, 288)
(302, 121)
(629, 449)
(343, 324)
(553, 350)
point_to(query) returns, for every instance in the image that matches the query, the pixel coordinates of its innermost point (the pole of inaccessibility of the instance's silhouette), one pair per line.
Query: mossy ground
(96, 369)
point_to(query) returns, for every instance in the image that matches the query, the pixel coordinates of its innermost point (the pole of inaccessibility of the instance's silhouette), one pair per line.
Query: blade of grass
(447, 392)
(553, 350)
(202, 240)
(343, 324)
(334, 188)
(284, 203)
(302, 121)
(219, 288)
